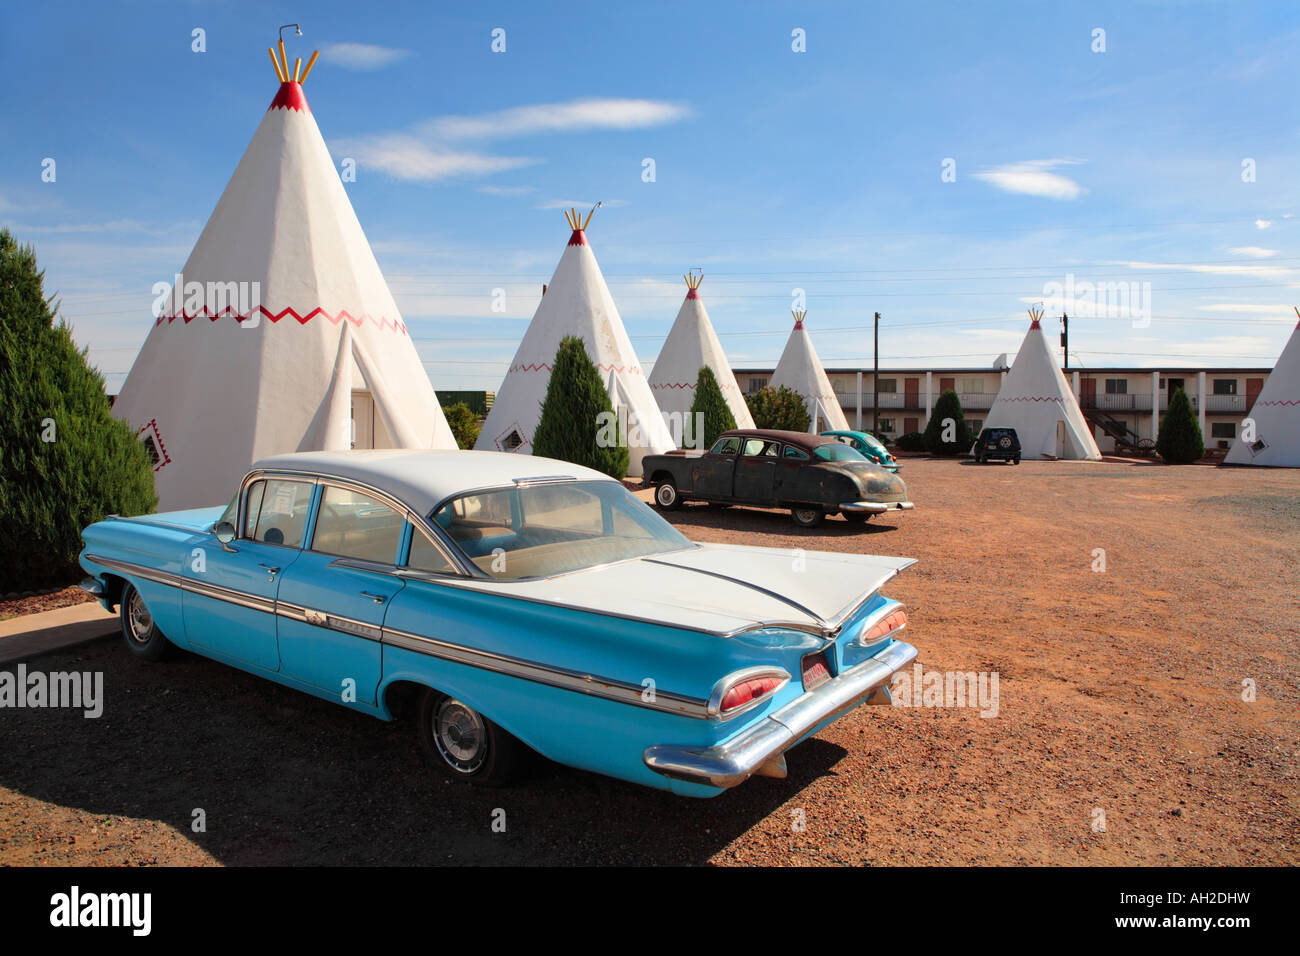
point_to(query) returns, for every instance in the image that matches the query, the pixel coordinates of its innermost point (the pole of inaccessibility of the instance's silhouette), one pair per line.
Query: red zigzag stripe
(1281, 401)
(1029, 398)
(356, 320)
(544, 366)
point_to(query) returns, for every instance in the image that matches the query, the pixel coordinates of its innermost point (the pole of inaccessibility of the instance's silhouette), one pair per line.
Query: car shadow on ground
(769, 521)
(285, 778)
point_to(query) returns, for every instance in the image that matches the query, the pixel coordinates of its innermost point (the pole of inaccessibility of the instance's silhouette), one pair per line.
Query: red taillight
(747, 691)
(895, 620)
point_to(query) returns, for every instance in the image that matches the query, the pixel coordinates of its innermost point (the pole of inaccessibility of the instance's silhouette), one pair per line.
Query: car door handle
(271, 569)
(377, 598)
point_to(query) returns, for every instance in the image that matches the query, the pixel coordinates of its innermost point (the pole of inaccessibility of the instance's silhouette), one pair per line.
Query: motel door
(947, 385)
(363, 420)
(1089, 389)
(911, 393)
(1253, 387)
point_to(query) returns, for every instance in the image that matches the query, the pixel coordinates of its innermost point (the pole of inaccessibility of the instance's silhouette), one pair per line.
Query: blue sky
(775, 170)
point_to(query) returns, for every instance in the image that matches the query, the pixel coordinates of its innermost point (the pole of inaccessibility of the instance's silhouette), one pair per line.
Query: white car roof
(423, 479)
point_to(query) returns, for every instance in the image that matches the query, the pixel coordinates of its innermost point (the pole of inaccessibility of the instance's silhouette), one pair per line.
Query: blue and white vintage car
(509, 603)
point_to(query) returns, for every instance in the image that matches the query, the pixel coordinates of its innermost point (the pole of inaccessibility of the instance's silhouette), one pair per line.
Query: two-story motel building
(1118, 402)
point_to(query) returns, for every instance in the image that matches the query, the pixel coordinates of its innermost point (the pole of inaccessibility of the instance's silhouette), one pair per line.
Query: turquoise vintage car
(510, 602)
(867, 444)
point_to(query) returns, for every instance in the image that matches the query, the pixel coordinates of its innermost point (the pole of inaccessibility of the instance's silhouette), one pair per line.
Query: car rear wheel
(465, 745)
(807, 517)
(143, 638)
(666, 496)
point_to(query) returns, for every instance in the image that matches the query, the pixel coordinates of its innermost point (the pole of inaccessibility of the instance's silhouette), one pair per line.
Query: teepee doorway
(363, 420)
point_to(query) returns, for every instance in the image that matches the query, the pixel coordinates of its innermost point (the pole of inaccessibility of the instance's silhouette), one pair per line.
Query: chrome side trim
(593, 685)
(139, 570)
(228, 595)
(543, 479)
(757, 747)
(876, 507)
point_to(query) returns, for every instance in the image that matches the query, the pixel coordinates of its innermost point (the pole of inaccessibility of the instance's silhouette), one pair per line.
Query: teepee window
(152, 449)
(512, 441)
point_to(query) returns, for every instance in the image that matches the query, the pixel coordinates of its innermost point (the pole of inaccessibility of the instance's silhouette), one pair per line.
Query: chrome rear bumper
(876, 507)
(760, 749)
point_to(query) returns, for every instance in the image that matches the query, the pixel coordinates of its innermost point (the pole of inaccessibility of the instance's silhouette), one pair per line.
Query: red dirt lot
(1120, 702)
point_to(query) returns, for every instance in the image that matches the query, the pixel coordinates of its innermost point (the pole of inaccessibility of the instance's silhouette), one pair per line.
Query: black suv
(1000, 443)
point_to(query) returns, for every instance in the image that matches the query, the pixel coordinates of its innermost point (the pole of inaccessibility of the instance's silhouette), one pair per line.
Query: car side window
(796, 453)
(356, 525)
(755, 446)
(282, 517)
(726, 446)
(425, 555)
(277, 511)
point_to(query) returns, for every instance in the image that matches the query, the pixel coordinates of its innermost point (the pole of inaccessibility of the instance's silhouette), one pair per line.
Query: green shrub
(570, 428)
(1179, 440)
(65, 461)
(948, 406)
(710, 402)
(781, 408)
(464, 424)
(912, 441)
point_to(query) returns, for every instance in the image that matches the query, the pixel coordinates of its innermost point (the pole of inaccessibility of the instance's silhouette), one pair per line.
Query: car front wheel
(143, 638)
(465, 745)
(807, 517)
(666, 496)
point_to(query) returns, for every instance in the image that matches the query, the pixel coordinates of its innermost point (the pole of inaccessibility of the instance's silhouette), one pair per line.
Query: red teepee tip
(1034, 325)
(579, 238)
(290, 97)
(692, 294)
(798, 324)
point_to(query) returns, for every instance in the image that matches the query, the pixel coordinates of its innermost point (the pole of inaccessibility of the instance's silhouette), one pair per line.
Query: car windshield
(873, 442)
(538, 530)
(834, 451)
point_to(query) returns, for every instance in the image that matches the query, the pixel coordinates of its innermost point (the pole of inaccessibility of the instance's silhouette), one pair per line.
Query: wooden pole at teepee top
(276, 63)
(310, 63)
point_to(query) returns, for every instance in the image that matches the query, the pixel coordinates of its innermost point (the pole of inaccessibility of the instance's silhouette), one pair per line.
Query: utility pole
(1065, 339)
(875, 377)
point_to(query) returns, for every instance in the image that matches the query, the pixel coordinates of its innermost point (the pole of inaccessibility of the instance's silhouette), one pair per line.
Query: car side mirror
(225, 532)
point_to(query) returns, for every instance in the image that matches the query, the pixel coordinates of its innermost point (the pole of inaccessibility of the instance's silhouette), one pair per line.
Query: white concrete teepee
(576, 302)
(692, 344)
(1275, 415)
(280, 335)
(801, 370)
(1037, 402)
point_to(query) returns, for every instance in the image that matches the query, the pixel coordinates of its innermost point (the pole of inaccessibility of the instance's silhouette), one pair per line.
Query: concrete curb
(31, 635)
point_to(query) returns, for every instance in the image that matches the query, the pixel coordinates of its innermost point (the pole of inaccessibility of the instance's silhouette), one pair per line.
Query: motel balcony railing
(979, 401)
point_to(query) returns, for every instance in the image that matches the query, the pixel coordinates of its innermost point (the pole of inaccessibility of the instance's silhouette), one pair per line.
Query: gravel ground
(34, 603)
(1120, 696)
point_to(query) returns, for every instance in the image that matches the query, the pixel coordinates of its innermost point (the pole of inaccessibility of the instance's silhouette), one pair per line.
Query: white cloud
(1263, 223)
(423, 153)
(581, 204)
(1271, 313)
(1256, 252)
(1258, 272)
(505, 190)
(1034, 178)
(594, 113)
(408, 158)
(361, 56)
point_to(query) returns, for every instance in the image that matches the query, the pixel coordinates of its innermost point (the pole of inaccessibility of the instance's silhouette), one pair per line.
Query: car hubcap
(140, 619)
(667, 494)
(461, 735)
(806, 516)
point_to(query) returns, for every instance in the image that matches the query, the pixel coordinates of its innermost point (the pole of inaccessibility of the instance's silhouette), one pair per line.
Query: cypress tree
(1179, 440)
(948, 406)
(709, 402)
(570, 427)
(65, 461)
(782, 408)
